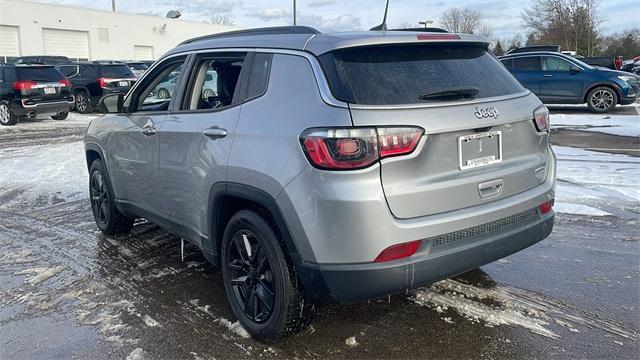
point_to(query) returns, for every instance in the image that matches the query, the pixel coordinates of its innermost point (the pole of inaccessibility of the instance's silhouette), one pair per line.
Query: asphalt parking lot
(68, 291)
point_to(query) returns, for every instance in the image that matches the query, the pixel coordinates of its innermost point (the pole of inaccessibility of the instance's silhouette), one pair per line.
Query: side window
(214, 81)
(552, 63)
(159, 87)
(531, 63)
(259, 76)
(508, 63)
(68, 70)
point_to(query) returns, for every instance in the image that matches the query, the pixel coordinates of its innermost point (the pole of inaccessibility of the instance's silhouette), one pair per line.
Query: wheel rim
(163, 94)
(5, 115)
(602, 99)
(251, 276)
(99, 198)
(208, 93)
(81, 102)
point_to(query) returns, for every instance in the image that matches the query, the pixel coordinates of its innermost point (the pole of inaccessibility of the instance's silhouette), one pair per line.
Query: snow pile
(588, 180)
(623, 125)
(52, 172)
(40, 274)
(351, 341)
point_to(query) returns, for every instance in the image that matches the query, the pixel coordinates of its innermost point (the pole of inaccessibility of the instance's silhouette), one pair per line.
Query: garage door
(9, 42)
(143, 52)
(70, 43)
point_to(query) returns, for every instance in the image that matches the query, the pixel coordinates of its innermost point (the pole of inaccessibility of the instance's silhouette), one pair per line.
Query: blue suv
(561, 79)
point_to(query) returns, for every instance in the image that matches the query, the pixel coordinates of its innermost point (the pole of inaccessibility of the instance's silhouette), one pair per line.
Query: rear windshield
(39, 73)
(410, 74)
(137, 66)
(116, 71)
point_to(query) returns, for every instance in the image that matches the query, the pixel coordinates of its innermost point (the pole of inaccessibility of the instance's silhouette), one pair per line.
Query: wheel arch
(610, 85)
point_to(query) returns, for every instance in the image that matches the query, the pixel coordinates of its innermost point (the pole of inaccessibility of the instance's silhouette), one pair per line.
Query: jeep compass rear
(345, 166)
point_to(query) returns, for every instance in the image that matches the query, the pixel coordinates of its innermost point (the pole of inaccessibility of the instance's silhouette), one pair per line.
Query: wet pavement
(68, 291)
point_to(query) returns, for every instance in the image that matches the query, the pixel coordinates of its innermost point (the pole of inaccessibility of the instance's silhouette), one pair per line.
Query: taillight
(546, 206)
(103, 82)
(399, 251)
(24, 85)
(65, 82)
(541, 118)
(357, 148)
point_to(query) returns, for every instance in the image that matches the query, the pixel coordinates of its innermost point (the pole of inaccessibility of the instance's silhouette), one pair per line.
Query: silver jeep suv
(340, 166)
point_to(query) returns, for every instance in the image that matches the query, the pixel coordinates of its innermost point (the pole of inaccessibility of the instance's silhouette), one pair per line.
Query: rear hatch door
(117, 77)
(41, 83)
(480, 141)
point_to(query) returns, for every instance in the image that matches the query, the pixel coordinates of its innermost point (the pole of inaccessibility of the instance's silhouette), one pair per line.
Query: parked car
(137, 67)
(33, 92)
(560, 79)
(632, 66)
(90, 81)
(608, 62)
(41, 59)
(342, 167)
(164, 90)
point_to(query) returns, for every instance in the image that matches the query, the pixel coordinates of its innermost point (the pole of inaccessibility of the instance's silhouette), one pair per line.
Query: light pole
(426, 23)
(113, 5)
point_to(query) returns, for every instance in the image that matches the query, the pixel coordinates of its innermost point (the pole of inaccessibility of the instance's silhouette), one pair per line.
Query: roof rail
(275, 30)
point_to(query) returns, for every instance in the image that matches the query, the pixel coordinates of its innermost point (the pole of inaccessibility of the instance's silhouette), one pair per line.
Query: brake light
(541, 118)
(24, 85)
(104, 82)
(399, 251)
(357, 148)
(65, 82)
(438, 37)
(546, 206)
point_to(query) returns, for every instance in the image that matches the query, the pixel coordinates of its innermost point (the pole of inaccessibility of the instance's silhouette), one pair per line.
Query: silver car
(338, 166)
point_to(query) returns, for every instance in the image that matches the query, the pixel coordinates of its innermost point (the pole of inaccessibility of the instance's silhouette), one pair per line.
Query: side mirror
(111, 104)
(574, 69)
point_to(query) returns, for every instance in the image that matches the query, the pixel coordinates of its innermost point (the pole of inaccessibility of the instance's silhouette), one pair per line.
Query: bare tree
(461, 20)
(221, 20)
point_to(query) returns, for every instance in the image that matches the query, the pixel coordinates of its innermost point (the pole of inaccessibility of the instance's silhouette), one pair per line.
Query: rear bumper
(358, 282)
(21, 108)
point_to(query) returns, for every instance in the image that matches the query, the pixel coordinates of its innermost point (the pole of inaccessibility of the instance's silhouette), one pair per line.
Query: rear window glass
(39, 73)
(404, 74)
(116, 71)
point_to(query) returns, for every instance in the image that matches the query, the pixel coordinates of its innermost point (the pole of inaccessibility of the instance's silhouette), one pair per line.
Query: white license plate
(50, 90)
(479, 149)
(123, 83)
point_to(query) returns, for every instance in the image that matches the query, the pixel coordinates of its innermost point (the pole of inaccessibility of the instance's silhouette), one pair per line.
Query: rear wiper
(453, 93)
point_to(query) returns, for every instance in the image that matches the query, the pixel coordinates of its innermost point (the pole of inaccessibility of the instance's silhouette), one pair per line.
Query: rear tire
(60, 116)
(83, 103)
(164, 94)
(108, 218)
(602, 99)
(262, 288)
(7, 117)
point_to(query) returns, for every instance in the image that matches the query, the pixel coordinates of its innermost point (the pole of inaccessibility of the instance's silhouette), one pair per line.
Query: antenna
(383, 26)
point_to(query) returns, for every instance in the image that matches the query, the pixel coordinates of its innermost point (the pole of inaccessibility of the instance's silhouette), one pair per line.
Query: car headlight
(628, 79)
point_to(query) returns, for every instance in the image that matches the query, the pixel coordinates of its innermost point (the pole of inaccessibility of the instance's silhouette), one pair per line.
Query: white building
(28, 28)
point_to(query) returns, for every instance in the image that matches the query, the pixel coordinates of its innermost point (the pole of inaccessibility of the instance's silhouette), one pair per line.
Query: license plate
(123, 83)
(479, 149)
(50, 90)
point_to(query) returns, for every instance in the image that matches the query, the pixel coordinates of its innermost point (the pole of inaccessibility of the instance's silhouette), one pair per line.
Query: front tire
(261, 287)
(83, 103)
(7, 117)
(164, 94)
(108, 218)
(602, 99)
(60, 116)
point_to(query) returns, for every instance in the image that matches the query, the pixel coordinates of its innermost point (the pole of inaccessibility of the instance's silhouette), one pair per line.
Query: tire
(108, 218)
(164, 94)
(7, 117)
(83, 103)
(261, 287)
(207, 93)
(60, 116)
(602, 99)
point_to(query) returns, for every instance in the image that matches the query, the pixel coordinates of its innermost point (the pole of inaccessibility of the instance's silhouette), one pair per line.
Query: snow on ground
(73, 120)
(588, 180)
(52, 173)
(623, 125)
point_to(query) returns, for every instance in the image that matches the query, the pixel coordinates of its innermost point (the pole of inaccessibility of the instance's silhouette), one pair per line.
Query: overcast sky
(503, 16)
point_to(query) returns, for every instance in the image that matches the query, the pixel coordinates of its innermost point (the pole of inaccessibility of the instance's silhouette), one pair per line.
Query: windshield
(39, 73)
(410, 74)
(580, 62)
(116, 71)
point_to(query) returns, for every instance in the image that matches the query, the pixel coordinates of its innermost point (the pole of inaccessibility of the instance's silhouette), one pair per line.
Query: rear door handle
(214, 133)
(148, 128)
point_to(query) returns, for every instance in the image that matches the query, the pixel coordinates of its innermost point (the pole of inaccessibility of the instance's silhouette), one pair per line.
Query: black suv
(30, 91)
(40, 59)
(90, 81)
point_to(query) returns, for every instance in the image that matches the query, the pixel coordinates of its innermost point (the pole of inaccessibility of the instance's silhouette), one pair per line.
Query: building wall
(111, 35)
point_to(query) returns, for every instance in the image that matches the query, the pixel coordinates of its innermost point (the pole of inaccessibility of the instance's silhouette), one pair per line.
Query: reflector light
(65, 82)
(104, 82)
(399, 251)
(541, 118)
(438, 37)
(546, 206)
(24, 85)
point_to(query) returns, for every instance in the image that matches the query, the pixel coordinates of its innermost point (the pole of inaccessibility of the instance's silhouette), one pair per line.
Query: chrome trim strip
(441, 104)
(45, 103)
